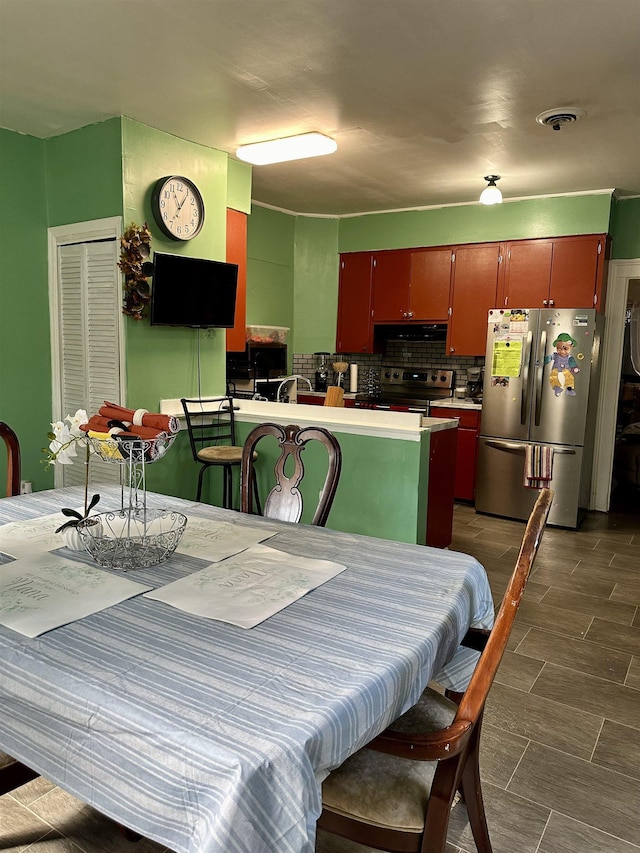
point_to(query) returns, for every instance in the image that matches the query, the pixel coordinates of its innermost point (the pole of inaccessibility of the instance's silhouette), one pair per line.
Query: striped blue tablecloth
(210, 738)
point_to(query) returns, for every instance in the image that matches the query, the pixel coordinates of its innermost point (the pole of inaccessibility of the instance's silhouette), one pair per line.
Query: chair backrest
(335, 396)
(284, 501)
(13, 459)
(454, 738)
(210, 421)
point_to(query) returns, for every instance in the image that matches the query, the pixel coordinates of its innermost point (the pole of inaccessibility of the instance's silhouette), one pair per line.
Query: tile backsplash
(409, 354)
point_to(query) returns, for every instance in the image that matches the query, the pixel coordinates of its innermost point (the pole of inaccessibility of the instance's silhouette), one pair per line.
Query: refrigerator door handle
(525, 393)
(542, 349)
(517, 447)
(509, 446)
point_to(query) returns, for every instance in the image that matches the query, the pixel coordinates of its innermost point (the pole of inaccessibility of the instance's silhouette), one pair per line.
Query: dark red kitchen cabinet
(467, 448)
(237, 254)
(561, 272)
(442, 456)
(474, 290)
(391, 280)
(430, 282)
(527, 273)
(577, 272)
(355, 293)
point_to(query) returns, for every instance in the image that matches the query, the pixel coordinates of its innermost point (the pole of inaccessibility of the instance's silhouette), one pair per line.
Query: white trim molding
(620, 273)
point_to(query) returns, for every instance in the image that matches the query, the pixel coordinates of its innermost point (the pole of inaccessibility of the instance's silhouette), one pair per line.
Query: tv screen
(193, 292)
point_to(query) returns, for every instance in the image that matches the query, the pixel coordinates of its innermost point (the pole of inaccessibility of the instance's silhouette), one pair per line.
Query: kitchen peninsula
(397, 467)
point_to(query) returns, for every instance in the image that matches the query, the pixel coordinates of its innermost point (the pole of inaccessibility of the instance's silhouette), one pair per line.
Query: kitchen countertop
(348, 395)
(457, 403)
(382, 423)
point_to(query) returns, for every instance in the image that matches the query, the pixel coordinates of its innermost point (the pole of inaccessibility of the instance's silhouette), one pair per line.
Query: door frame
(620, 273)
(63, 235)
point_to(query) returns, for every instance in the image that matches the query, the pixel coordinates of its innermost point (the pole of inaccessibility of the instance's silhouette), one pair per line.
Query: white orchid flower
(75, 421)
(67, 435)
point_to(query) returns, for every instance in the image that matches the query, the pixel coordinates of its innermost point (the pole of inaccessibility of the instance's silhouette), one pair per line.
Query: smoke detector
(560, 116)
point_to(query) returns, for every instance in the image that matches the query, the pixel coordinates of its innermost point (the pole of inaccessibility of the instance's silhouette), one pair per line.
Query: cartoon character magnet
(564, 365)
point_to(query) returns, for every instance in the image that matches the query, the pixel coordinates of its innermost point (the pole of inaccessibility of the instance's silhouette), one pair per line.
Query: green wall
(531, 218)
(84, 174)
(270, 268)
(315, 290)
(103, 170)
(166, 362)
(625, 229)
(25, 354)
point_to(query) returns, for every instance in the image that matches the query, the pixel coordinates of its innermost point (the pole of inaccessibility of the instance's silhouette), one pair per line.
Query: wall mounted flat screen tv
(193, 292)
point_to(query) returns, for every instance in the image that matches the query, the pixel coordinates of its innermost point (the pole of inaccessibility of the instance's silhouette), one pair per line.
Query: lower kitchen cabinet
(467, 449)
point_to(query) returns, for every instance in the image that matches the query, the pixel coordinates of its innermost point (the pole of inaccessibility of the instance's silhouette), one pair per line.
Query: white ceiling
(424, 97)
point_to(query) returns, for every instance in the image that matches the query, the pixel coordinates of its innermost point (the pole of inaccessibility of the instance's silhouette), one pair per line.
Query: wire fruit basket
(133, 537)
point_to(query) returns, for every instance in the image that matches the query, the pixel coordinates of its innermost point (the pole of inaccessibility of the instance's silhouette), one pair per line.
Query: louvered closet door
(89, 300)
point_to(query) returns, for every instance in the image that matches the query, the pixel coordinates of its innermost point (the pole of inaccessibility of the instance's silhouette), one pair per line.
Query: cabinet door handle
(551, 302)
(409, 314)
(545, 301)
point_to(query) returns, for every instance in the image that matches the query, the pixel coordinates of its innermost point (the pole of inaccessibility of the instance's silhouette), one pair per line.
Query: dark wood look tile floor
(561, 739)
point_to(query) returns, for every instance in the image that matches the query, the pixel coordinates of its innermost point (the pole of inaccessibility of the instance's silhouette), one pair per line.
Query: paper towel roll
(353, 378)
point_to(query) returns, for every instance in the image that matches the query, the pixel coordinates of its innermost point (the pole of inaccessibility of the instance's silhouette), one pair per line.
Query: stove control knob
(387, 375)
(396, 375)
(433, 377)
(443, 378)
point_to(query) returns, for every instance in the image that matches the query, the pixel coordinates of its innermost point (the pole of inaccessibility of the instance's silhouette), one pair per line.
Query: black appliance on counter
(405, 389)
(257, 370)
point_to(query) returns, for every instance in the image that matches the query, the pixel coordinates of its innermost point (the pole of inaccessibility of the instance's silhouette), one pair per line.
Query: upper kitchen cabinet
(429, 285)
(391, 286)
(237, 254)
(355, 294)
(411, 285)
(563, 272)
(474, 290)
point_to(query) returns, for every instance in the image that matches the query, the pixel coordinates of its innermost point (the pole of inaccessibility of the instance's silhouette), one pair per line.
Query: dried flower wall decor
(135, 248)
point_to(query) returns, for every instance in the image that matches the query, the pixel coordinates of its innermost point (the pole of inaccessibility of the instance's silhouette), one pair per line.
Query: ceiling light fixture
(287, 148)
(560, 116)
(491, 194)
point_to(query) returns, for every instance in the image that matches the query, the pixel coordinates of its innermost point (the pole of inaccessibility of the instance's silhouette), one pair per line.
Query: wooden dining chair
(13, 458)
(212, 436)
(13, 774)
(396, 794)
(284, 501)
(334, 396)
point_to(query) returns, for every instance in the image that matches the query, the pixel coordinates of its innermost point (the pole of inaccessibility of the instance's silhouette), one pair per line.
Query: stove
(409, 390)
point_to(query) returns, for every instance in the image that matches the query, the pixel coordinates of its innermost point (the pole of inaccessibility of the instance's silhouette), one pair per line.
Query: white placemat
(248, 588)
(216, 540)
(47, 591)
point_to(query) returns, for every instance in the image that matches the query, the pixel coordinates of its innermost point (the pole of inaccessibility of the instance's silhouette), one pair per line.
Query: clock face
(178, 207)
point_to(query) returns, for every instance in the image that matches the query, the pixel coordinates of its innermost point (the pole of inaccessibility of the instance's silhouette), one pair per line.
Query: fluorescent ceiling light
(288, 148)
(491, 194)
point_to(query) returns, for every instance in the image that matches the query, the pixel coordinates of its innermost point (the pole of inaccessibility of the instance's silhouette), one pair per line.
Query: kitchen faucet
(289, 379)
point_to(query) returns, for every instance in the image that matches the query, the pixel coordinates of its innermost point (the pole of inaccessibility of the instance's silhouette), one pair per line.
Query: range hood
(407, 332)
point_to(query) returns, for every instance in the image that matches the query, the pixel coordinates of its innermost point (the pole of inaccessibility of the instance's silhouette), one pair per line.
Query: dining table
(208, 737)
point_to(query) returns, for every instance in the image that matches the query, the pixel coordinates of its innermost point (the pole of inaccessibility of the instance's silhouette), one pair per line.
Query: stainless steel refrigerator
(540, 392)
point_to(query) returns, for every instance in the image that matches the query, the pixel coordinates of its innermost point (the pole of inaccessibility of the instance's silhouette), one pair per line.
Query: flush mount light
(491, 194)
(287, 148)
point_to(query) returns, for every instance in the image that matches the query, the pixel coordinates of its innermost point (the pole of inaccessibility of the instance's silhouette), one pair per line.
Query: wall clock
(178, 207)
